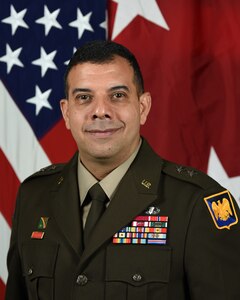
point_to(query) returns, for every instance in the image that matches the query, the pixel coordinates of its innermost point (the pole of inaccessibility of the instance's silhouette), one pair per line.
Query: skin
(104, 113)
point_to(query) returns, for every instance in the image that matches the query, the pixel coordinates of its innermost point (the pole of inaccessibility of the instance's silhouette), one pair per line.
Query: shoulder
(188, 175)
(53, 171)
(173, 171)
(46, 171)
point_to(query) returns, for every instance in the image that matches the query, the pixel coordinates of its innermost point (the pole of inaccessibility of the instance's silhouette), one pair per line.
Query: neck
(100, 169)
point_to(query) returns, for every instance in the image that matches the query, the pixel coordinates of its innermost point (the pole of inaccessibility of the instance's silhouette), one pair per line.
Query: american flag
(189, 52)
(37, 40)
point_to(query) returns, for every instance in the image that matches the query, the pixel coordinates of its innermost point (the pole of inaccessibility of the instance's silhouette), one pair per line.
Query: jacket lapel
(137, 190)
(66, 205)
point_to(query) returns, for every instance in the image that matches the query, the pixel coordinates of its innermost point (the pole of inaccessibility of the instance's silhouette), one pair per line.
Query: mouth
(99, 133)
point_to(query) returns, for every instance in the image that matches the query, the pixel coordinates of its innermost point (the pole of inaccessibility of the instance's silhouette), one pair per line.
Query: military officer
(151, 229)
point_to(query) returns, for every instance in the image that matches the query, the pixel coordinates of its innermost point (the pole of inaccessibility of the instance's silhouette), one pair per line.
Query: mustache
(103, 125)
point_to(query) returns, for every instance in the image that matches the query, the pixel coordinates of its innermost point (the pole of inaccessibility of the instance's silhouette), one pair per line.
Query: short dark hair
(101, 52)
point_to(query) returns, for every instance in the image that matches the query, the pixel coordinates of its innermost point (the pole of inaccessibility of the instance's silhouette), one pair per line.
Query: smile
(103, 133)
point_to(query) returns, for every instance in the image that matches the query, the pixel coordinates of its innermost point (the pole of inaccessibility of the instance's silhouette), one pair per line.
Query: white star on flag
(40, 100)
(11, 58)
(49, 20)
(82, 23)
(104, 24)
(128, 10)
(216, 171)
(16, 19)
(45, 61)
(67, 62)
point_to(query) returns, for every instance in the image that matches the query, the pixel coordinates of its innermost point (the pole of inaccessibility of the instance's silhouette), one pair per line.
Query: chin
(103, 154)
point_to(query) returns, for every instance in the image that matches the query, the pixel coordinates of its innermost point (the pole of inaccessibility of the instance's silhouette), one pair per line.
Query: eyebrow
(119, 87)
(114, 88)
(77, 90)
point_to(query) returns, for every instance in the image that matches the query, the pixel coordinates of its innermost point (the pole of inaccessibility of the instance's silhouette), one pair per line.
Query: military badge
(37, 235)
(43, 223)
(222, 209)
(152, 210)
(144, 230)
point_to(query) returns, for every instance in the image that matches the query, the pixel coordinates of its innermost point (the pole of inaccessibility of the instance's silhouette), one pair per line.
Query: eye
(118, 96)
(83, 97)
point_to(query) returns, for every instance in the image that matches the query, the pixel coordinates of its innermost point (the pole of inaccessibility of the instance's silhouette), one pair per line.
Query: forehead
(117, 68)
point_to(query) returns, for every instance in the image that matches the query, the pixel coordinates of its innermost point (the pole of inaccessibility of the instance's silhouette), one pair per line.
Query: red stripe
(2, 289)
(9, 184)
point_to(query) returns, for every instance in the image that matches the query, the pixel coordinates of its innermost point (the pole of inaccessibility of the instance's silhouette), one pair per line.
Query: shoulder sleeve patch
(222, 209)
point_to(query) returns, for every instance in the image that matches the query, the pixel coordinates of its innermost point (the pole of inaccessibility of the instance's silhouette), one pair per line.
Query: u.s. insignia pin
(222, 209)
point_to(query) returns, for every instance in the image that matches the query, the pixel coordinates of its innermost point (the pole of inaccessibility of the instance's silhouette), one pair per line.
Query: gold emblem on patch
(222, 210)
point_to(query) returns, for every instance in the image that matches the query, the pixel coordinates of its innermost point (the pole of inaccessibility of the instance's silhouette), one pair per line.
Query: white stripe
(5, 233)
(17, 139)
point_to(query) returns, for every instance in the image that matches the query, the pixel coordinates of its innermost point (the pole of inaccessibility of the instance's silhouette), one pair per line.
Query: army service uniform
(169, 233)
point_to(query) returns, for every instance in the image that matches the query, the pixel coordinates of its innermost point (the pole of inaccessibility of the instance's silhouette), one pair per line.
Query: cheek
(74, 120)
(133, 118)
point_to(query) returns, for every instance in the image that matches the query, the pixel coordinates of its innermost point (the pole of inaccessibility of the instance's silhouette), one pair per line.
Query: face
(104, 111)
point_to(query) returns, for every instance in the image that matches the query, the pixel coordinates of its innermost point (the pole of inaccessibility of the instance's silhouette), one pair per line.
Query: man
(168, 231)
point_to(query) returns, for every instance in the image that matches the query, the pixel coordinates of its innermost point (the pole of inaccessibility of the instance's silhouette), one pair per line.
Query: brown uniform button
(30, 271)
(82, 279)
(137, 277)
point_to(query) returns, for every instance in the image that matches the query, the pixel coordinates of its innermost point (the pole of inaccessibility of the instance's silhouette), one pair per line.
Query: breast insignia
(152, 210)
(222, 210)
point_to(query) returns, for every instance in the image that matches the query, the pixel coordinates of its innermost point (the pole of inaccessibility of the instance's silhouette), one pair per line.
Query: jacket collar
(141, 183)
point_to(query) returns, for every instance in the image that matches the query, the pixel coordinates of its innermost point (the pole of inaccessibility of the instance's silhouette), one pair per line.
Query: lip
(103, 133)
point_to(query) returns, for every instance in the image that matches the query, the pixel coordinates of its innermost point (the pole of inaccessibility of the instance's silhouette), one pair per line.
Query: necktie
(99, 200)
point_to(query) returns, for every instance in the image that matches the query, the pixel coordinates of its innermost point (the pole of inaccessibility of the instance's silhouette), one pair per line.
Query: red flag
(189, 54)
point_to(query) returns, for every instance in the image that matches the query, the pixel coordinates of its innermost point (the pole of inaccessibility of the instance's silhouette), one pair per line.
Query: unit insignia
(222, 209)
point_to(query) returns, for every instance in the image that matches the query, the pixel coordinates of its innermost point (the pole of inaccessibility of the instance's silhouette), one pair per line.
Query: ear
(64, 103)
(145, 106)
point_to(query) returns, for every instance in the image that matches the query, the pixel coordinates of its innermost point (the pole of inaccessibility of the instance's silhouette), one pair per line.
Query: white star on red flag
(128, 10)
(216, 171)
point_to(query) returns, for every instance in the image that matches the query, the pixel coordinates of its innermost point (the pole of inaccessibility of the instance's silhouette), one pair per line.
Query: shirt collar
(109, 183)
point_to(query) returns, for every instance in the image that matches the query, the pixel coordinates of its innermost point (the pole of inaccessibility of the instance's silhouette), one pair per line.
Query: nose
(101, 109)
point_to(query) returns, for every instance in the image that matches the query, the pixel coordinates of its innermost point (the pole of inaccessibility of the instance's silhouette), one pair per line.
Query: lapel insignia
(43, 223)
(222, 209)
(143, 230)
(146, 183)
(38, 235)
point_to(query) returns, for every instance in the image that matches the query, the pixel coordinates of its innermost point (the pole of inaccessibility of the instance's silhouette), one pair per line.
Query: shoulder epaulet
(49, 170)
(188, 174)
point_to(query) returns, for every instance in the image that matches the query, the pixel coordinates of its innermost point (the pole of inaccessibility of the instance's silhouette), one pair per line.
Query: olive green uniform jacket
(200, 259)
